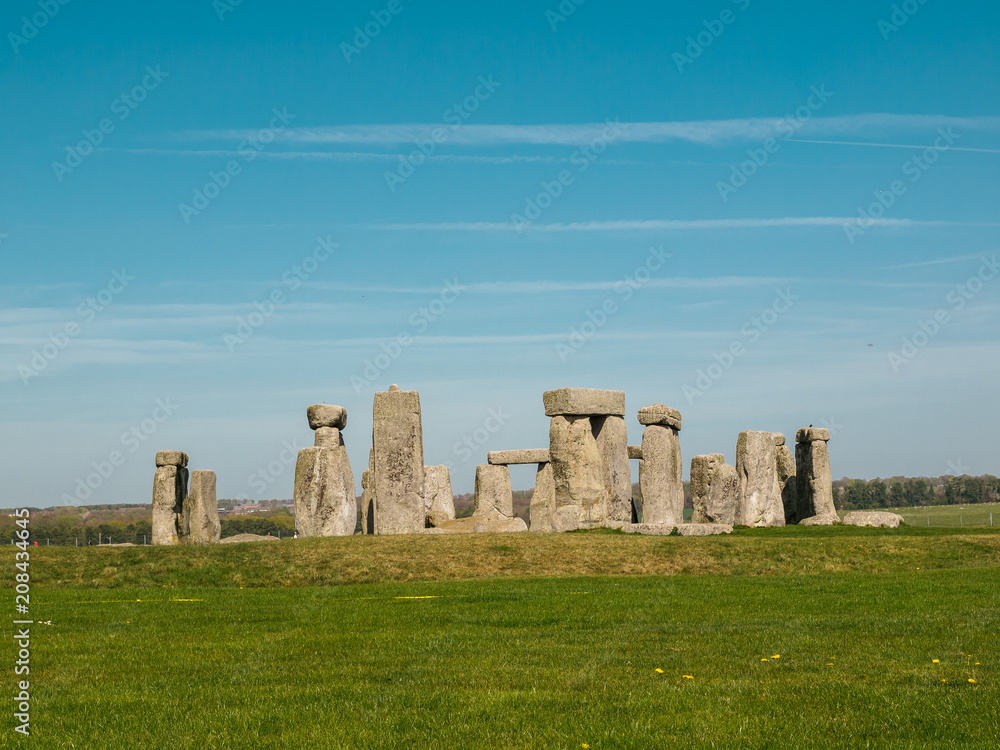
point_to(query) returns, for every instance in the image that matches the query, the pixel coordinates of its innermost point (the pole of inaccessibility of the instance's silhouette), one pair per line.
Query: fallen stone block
(824, 520)
(495, 524)
(653, 529)
(704, 529)
(877, 518)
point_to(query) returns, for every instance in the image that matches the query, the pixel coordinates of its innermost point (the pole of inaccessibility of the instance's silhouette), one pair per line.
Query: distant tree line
(901, 492)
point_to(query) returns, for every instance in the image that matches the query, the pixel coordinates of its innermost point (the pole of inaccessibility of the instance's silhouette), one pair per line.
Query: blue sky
(767, 215)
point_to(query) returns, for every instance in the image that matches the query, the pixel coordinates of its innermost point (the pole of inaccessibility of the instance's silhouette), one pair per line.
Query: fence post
(960, 522)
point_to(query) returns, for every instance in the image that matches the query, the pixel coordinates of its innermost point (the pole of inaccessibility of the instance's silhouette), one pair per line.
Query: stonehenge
(583, 478)
(813, 477)
(324, 498)
(397, 479)
(715, 490)
(202, 509)
(661, 483)
(169, 493)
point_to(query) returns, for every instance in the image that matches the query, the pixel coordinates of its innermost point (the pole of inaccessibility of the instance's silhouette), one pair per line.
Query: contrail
(892, 145)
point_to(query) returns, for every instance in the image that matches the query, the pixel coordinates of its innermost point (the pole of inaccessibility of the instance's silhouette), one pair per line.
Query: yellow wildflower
(659, 670)
(687, 676)
(972, 681)
(936, 661)
(776, 656)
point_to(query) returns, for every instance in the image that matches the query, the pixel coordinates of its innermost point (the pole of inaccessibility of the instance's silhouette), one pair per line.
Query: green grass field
(952, 515)
(785, 638)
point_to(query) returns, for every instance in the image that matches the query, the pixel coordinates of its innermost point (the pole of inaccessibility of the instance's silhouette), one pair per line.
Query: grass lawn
(780, 654)
(978, 514)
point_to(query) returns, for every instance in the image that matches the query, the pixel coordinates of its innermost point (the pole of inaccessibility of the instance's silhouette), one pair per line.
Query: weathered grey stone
(809, 434)
(579, 473)
(878, 518)
(779, 438)
(787, 483)
(171, 458)
(661, 415)
(328, 437)
(661, 476)
(436, 519)
(527, 456)
(583, 402)
(825, 520)
(327, 415)
(814, 479)
(704, 529)
(760, 501)
(435, 530)
(653, 529)
(202, 509)
(493, 491)
(239, 538)
(497, 524)
(635, 451)
(325, 503)
(567, 518)
(543, 499)
(715, 490)
(398, 473)
(612, 441)
(169, 493)
(438, 497)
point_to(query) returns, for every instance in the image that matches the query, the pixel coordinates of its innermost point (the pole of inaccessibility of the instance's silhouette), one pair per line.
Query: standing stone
(493, 491)
(760, 501)
(815, 481)
(543, 499)
(661, 471)
(612, 441)
(398, 474)
(785, 466)
(715, 488)
(325, 503)
(202, 509)
(169, 492)
(579, 475)
(439, 501)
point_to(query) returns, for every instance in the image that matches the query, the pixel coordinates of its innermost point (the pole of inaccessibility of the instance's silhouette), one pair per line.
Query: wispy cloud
(938, 261)
(709, 132)
(892, 145)
(340, 156)
(663, 225)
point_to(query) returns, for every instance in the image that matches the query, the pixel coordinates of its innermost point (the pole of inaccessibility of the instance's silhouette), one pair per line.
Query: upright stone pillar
(398, 462)
(202, 509)
(493, 491)
(815, 482)
(543, 499)
(368, 496)
(612, 441)
(715, 489)
(169, 492)
(785, 466)
(661, 471)
(325, 503)
(586, 475)
(760, 492)
(439, 502)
